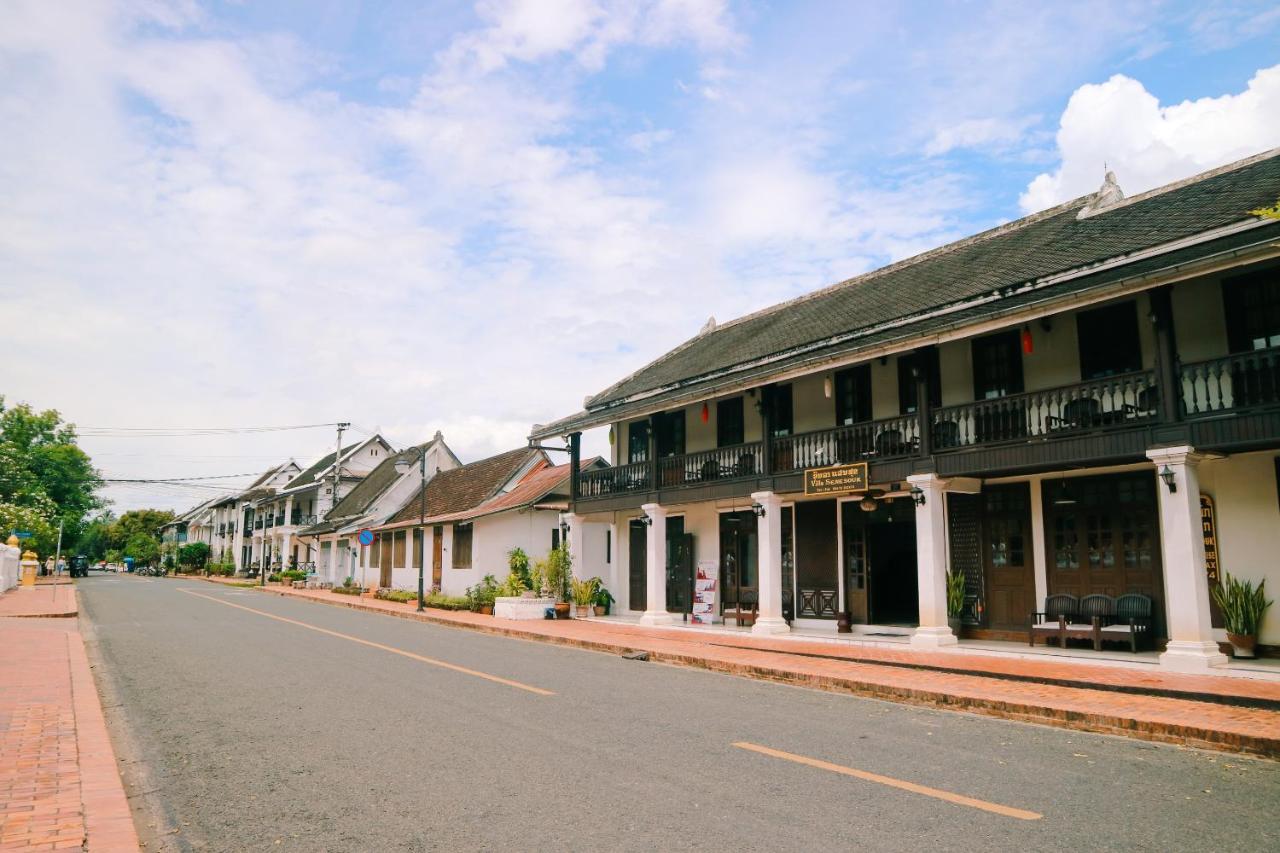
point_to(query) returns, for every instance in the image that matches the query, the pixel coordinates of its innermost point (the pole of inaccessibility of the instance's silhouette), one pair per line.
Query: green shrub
(518, 563)
(514, 585)
(293, 575)
(396, 595)
(273, 578)
(347, 590)
(1242, 604)
(440, 601)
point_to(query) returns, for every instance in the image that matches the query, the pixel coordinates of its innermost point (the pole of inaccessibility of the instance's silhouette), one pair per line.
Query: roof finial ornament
(1107, 195)
(709, 326)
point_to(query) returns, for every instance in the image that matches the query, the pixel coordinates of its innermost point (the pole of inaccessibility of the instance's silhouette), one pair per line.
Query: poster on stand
(704, 611)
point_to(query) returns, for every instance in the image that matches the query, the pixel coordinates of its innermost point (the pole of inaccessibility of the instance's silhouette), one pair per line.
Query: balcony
(1227, 403)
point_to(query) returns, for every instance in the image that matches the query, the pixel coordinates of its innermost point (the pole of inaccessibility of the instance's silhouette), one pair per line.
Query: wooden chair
(945, 434)
(1080, 413)
(1129, 621)
(744, 613)
(1058, 611)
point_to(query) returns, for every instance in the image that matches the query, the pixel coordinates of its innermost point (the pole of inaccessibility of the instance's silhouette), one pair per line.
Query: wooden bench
(744, 612)
(1096, 618)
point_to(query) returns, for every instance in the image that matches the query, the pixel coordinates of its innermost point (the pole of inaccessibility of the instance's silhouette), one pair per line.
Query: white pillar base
(1187, 656)
(770, 625)
(933, 638)
(656, 618)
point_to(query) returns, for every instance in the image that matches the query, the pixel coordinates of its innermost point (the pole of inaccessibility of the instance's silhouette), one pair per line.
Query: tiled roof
(464, 488)
(309, 476)
(904, 299)
(358, 500)
(533, 488)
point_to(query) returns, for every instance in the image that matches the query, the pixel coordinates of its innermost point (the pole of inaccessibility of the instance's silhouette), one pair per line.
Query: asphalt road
(239, 731)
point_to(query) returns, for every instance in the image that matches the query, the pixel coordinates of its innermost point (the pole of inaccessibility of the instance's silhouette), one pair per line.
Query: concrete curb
(1103, 723)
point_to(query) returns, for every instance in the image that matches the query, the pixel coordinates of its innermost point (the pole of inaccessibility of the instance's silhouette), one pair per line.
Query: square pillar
(656, 566)
(575, 540)
(931, 563)
(1191, 647)
(769, 529)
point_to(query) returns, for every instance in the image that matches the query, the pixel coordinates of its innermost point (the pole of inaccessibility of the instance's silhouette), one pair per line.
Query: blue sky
(469, 216)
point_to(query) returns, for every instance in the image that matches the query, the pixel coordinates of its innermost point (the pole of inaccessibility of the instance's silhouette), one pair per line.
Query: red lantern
(706, 413)
(1028, 345)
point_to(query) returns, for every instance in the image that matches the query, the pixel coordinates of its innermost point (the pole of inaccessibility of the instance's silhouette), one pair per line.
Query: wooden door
(856, 586)
(437, 556)
(1103, 536)
(385, 545)
(638, 565)
(679, 567)
(816, 560)
(1006, 556)
(739, 560)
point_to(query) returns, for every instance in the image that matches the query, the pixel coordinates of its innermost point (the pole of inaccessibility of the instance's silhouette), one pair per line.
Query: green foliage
(514, 585)
(584, 591)
(482, 594)
(193, 555)
(43, 471)
(292, 575)
(348, 582)
(348, 590)
(273, 578)
(604, 598)
(396, 595)
(518, 563)
(955, 593)
(559, 571)
(138, 522)
(143, 548)
(1241, 604)
(95, 539)
(441, 601)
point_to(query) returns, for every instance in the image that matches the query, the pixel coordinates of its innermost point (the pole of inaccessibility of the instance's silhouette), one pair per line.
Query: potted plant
(955, 600)
(518, 563)
(604, 599)
(584, 595)
(1242, 609)
(558, 573)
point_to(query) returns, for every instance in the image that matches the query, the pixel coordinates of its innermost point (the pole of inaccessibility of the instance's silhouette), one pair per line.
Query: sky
(468, 217)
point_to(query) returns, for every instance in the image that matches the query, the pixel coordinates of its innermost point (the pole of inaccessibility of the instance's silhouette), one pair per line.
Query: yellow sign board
(836, 479)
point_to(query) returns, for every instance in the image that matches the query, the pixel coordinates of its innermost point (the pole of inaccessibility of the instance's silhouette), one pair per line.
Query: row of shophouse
(1085, 401)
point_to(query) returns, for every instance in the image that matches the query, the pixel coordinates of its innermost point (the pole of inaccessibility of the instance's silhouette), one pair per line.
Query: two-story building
(1086, 400)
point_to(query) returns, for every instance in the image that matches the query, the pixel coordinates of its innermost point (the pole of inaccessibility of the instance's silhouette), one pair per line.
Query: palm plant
(1241, 604)
(955, 593)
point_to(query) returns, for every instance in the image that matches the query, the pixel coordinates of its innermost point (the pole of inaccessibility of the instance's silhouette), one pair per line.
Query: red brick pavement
(41, 600)
(59, 787)
(1189, 709)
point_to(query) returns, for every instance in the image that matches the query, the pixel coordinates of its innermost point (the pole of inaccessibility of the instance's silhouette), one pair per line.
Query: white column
(1039, 552)
(656, 567)
(931, 563)
(769, 529)
(577, 548)
(1191, 645)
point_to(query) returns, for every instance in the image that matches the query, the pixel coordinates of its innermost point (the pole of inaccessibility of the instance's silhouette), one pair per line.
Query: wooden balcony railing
(611, 481)
(1243, 380)
(705, 466)
(1127, 399)
(883, 439)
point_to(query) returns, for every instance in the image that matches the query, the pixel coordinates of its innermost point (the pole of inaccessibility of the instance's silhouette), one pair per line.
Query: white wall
(492, 537)
(1243, 488)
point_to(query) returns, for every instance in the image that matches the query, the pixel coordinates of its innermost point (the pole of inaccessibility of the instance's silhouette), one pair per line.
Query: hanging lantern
(611, 436)
(1028, 345)
(706, 413)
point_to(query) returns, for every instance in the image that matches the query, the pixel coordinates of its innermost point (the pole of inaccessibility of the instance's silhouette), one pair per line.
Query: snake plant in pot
(1242, 607)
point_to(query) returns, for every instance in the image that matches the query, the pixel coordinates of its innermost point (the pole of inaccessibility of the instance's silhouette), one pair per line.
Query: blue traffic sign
(366, 537)
(23, 534)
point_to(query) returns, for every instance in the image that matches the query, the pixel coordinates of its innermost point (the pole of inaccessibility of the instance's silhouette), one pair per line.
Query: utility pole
(56, 560)
(337, 464)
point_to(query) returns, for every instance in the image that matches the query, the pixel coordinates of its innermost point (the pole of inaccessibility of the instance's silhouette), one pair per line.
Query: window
(555, 538)
(908, 364)
(729, 423)
(462, 546)
(638, 442)
(374, 551)
(670, 437)
(397, 558)
(418, 542)
(1108, 340)
(1253, 310)
(997, 365)
(853, 395)
(778, 401)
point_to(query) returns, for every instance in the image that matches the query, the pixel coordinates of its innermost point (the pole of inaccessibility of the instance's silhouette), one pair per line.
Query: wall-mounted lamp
(1170, 479)
(917, 495)
(758, 510)
(868, 504)
(647, 521)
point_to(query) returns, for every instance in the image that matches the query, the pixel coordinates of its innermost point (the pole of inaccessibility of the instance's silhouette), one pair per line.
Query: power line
(162, 432)
(177, 479)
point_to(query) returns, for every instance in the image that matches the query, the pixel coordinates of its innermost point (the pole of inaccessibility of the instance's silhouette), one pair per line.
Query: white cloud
(1120, 124)
(999, 133)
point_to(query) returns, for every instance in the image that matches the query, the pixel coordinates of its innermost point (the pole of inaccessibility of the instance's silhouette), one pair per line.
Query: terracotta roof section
(465, 488)
(1052, 253)
(536, 486)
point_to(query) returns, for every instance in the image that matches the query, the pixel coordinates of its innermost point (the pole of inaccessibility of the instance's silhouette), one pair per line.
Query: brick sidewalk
(59, 786)
(1236, 714)
(41, 600)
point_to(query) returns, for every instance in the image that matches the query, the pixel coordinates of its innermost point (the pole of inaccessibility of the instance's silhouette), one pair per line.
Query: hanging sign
(836, 479)
(1209, 527)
